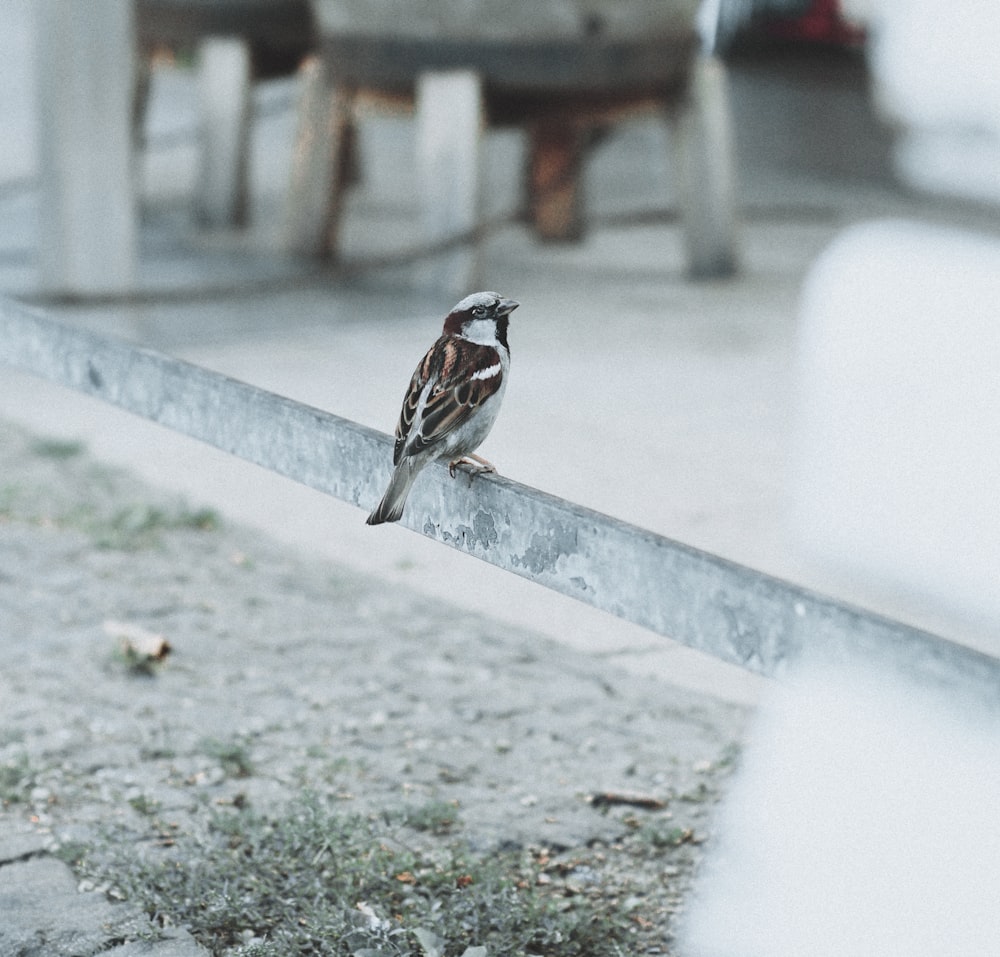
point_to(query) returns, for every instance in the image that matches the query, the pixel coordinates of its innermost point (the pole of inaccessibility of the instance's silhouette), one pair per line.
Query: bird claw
(475, 464)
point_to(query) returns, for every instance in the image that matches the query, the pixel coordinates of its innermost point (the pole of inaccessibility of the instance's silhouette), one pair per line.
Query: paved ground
(666, 403)
(285, 674)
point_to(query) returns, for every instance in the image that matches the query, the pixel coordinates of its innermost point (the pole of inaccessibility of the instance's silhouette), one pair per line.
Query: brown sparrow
(453, 399)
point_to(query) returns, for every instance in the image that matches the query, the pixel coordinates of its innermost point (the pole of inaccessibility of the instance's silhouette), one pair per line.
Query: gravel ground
(286, 674)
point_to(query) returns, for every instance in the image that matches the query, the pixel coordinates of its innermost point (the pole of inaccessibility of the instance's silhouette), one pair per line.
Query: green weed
(138, 525)
(436, 817)
(233, 756)
(312, 881)
(17, 778)
(58, 449)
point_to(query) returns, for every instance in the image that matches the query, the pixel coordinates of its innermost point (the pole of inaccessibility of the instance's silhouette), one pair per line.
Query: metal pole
(729, 611)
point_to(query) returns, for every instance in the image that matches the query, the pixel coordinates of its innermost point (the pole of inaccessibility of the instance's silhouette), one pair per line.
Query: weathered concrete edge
(729, 611)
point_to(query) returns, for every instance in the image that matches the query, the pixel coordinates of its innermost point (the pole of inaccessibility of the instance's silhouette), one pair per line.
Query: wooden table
(561, 88)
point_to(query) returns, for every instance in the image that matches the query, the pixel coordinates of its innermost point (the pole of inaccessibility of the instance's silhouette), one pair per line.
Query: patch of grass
(11, 496)
(157, 752)
(17, 778)
(94, 506)
(143, 804)
(70, 852)
(137, 525)
(10, 736)
(233, 756)
(312, 881)
(699, 794)
(729, 759)
(660, 834)
(435, 817)
(58, 449)
(127, 527)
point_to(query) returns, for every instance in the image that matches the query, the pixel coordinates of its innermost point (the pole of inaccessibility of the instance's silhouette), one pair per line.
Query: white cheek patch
(483, 331)
(487, 373)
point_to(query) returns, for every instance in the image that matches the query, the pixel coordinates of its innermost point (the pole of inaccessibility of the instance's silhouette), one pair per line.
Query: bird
(453, 398)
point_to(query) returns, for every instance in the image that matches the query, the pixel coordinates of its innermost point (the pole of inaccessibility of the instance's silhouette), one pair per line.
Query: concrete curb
(44, 912)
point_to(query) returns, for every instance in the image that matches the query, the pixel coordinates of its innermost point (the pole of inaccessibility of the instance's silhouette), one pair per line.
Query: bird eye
(479, 311)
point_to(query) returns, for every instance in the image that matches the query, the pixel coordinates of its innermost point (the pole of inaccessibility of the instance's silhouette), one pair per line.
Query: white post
(85, 60)
(318, 164)
(707, 181)
(224, 103)
(449, 127)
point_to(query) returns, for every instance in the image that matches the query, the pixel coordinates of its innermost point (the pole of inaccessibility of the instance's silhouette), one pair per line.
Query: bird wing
(453, 380)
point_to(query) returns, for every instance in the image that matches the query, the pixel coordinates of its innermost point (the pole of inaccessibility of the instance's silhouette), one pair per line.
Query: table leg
(703, 131)
(224, 101)
(554, 163)
(88, 212)
(320, 164)
(450, 120)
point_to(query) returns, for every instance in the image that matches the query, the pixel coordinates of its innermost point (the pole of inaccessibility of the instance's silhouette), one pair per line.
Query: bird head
(481, 317)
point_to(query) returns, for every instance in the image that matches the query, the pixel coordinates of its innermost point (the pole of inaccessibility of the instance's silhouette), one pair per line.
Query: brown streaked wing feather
(453, 397)
(447, 410)
(429, 367)
(407, 414)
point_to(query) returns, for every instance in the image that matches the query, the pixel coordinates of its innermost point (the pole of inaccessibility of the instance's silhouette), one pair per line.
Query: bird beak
(507, 306)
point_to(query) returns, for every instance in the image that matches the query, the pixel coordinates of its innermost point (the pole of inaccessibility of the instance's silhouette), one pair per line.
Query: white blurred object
(863, 823)
(898, 452)
(225, 75)
(959, 164)
(859, 11)
(935, 73)
(85, 78)
(717, 21)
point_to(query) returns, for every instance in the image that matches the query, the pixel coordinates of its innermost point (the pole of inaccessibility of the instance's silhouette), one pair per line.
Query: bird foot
(475, 464)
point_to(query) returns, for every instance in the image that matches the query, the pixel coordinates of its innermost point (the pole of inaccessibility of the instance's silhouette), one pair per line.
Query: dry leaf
(138, 643)
(633, 799)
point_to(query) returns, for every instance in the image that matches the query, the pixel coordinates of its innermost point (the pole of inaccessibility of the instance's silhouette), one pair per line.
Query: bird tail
(390, 509)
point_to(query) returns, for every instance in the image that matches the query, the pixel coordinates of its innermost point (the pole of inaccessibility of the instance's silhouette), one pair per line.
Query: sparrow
(453, 398)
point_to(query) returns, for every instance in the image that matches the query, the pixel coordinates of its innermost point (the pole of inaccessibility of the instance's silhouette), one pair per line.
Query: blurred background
(758, 255)
(755, 244)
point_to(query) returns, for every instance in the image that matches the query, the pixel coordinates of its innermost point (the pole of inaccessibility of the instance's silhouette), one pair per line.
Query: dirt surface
(286, 674)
